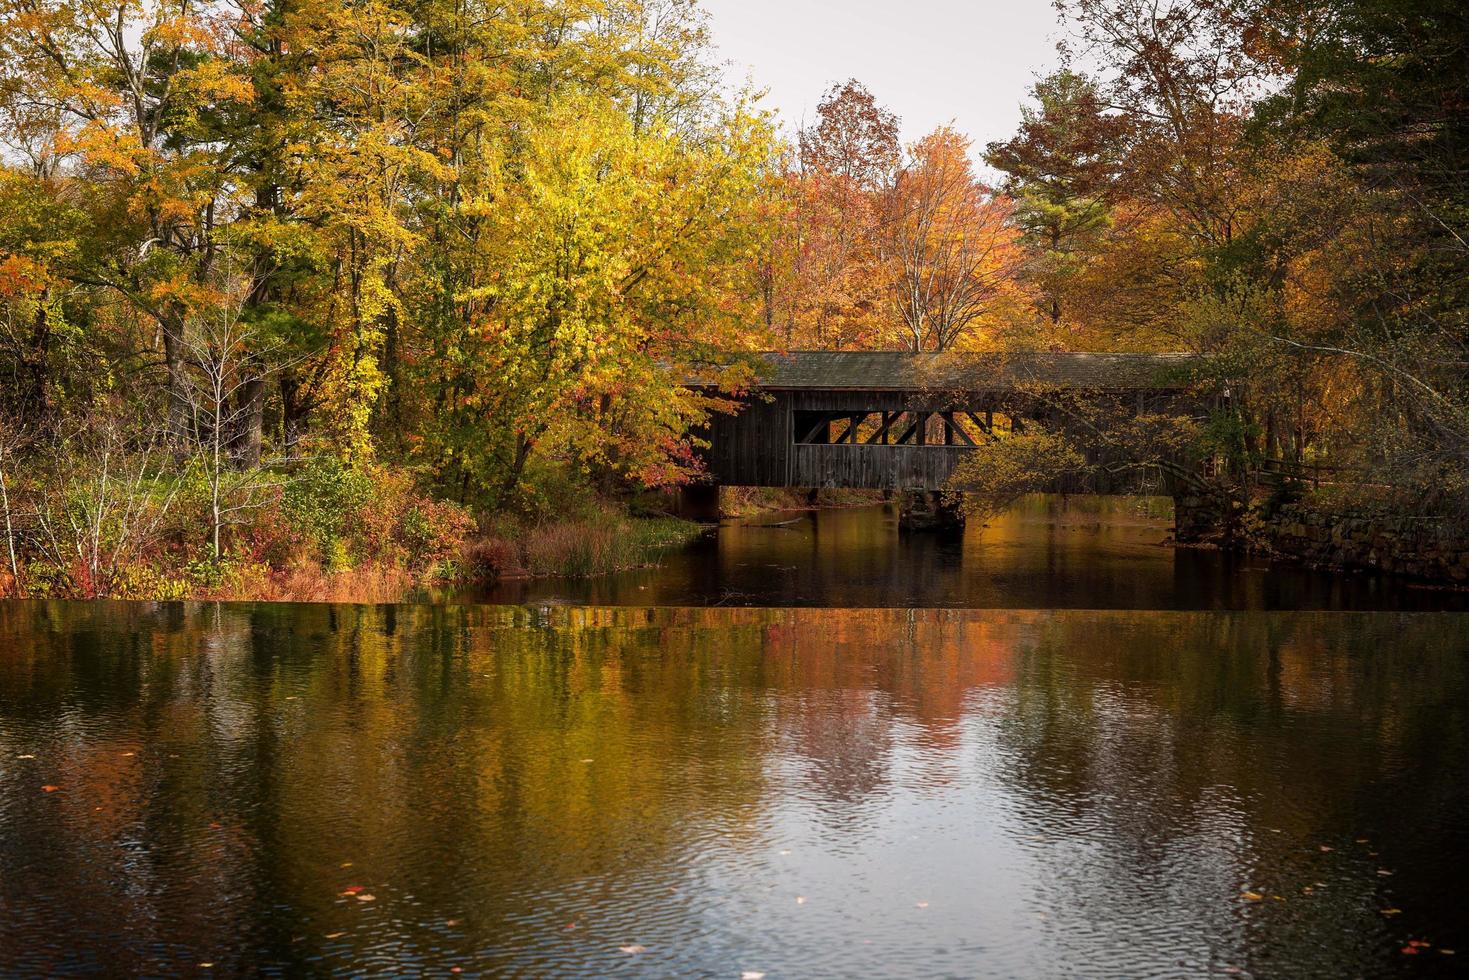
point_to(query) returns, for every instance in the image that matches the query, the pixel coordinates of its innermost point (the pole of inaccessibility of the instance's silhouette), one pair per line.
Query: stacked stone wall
(1422, 547)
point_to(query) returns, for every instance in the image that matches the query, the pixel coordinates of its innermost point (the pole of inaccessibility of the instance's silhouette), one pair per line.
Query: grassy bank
(747, 501)
(580, 548)
(326, 533)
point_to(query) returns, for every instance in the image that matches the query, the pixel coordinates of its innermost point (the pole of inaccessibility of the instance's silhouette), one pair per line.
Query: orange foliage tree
(949, 247)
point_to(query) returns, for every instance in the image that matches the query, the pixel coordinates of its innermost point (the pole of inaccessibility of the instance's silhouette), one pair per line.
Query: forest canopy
(476, 250)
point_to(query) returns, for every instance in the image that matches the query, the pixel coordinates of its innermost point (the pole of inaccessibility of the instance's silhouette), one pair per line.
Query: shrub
(324, 499)
(434, 532)
(996, 474)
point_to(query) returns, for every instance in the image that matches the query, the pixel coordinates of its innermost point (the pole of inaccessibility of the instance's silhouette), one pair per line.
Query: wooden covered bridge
(900, 421)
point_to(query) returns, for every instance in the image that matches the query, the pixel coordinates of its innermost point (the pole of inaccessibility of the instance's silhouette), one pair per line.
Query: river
(1117, 760)
(1047, 552)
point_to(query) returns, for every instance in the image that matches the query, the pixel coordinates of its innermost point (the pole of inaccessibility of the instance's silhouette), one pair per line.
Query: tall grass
(583, 548)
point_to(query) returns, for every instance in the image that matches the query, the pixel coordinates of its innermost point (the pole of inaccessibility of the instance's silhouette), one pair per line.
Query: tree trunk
(179, 414)
(33, 402)
(293, 414)
(246, 440)
(512, 478)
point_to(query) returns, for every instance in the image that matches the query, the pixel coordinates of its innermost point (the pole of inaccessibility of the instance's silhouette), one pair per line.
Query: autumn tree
(132, 96)
(854, 138)
(831, 272)
(629, 255)
(948, 245)
(1376, 90)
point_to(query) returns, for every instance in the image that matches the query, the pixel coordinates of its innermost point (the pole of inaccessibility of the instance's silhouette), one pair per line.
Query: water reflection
(1047, 552)
(283, 789)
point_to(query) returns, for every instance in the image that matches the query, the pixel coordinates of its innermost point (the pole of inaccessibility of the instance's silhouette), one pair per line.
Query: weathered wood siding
(752, 449)
(874, 467)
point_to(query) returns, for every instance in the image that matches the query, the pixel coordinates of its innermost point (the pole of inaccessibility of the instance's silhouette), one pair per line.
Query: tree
(826, 250)
(1182, 76)
(949, 243)
(130, 94)
(1062, 169)
(853, 139)
(225, 365)
(629, 258)
(1379, 84)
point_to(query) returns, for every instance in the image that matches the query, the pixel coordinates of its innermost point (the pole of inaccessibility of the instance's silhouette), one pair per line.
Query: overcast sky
(930, 61)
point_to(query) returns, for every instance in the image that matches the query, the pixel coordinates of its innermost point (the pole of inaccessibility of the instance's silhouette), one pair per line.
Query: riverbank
(749, 501)
(328, 534)
(1335, 528)
(1353, 534)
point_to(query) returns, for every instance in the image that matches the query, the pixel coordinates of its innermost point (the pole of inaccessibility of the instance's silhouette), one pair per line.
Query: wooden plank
(875, 467)
(954, 431)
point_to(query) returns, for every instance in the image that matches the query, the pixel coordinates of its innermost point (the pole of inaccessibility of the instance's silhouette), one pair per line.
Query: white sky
(930, 61)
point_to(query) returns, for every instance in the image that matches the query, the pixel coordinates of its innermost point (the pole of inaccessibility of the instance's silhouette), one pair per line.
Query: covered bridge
(902, 421)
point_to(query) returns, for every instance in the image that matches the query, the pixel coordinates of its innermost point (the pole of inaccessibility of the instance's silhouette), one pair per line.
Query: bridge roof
(905, 371)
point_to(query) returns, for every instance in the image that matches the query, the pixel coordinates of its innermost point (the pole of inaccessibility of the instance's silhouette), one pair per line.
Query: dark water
(1047, 553)
(716, 792)
(1121, 761)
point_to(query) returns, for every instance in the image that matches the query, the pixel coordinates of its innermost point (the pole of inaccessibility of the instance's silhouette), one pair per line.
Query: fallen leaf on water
(25, 757)
(49, 788)
(571, 925)
(1447, 952)
(216, 826)
(126, 754)
(456, 969)
(1251, 896)
(205, 966)
(1277, 898)
(454, 922)
(1409, 951)
(345, 864)
(633, 949)
(1326, 850)
(1392, 911)
(588, 761)
(1384, 872)
(364, 897)
(1419, 943)
(351, 890)
(335, 935)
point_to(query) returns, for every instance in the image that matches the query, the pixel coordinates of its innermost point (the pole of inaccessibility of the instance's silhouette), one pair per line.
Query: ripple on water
(708, 793)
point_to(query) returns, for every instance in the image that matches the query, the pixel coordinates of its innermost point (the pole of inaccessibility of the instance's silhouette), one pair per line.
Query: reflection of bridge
(897, 421)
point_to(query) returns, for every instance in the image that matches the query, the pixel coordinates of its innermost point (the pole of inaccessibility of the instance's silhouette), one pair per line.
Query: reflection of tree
(1209, 754)
(241, 756)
